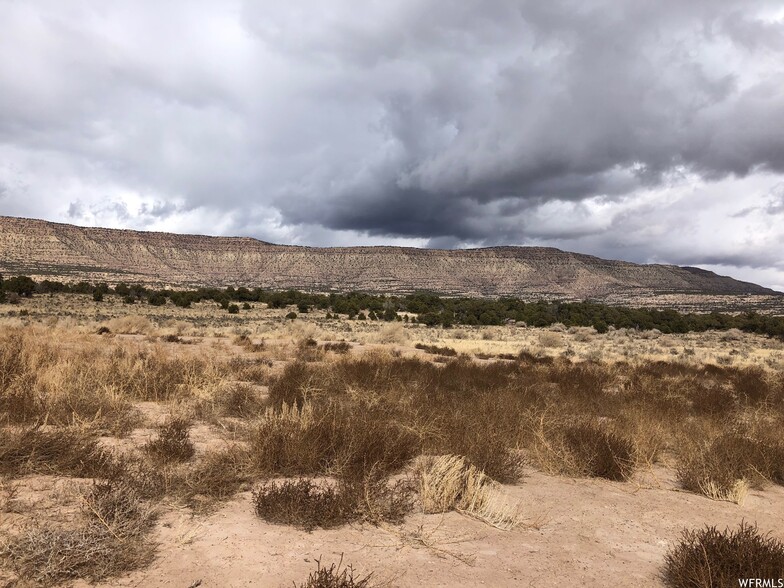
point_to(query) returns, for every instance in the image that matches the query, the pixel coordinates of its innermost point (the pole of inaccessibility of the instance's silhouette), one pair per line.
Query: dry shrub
(724, 469)
(289, 441)
(307, 504)
(752, 385)
(249, 344)
(299, 331)
(379, 501)
(297, 381)
(218, 475)
(329, 438)
(711, 400)
(256, 370)
(368, 442)
(550, 340)
(335, 576)
(732, 335)
(582, 334)
(529, 358)
(304, 503)
(392, 334)
(64, 451)
(592, 449)
(173, 443)
(131, 325)
(339, 347)
(436, 350)
(478, 438)
(449, 482)
(600, 453)
(309, 351)
(110, 540)
(709, 558)
(240, 401)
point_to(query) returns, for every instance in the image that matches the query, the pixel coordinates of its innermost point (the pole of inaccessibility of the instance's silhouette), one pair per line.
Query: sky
(650, 131)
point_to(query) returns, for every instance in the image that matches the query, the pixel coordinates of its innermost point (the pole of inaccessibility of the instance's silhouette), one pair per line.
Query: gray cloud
(617, 128)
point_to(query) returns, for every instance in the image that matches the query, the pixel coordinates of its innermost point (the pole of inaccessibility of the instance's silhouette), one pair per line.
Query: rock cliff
(67, 252)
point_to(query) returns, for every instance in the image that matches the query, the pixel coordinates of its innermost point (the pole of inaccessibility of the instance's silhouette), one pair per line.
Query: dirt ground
(584, 532)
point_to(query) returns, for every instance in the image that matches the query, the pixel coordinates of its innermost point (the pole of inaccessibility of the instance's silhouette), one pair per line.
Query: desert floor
(581, 530)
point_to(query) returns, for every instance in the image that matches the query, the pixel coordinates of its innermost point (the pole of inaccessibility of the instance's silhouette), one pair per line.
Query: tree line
(422, 307)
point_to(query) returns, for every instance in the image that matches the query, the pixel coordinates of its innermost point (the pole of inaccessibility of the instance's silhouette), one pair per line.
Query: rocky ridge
(67, 252)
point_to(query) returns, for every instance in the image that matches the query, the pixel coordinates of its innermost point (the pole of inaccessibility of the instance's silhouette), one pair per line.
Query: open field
(187, 445)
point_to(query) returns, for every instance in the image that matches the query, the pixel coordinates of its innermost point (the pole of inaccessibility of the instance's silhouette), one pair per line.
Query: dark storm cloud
(625, 129)
(550, 101)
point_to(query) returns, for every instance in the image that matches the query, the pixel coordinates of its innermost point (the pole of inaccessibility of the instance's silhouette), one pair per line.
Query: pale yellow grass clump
(131, 324)
(392, 333)
(449, 482)
(290, 414)
(737, 493)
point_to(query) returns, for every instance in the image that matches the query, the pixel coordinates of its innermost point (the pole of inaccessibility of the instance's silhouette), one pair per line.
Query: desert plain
(184, 447)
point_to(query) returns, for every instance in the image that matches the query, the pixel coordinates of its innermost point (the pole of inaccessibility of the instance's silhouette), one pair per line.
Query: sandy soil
(590, 533)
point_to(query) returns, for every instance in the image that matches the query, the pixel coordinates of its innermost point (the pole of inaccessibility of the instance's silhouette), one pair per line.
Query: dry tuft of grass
(709, 558)
(392, 334)
(131, 325)
(449, 482)
(249, 344)
(111, 539)
(550, 339)
(335, 576)
(330, 438)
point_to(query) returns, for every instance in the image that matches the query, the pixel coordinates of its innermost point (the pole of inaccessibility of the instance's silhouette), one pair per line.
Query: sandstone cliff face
(67, 252)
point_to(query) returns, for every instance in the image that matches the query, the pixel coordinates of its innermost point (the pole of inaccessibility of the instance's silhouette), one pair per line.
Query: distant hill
(67, 252)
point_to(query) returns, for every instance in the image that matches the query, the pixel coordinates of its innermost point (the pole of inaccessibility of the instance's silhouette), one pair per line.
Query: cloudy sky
(651, 131)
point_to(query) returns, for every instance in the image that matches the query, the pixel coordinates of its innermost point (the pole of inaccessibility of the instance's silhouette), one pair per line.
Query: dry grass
(240, 400)
(218, 475)
(392, 334)
(131, 325)
(600, 453)
(330, 438)
(83, 381)
(308, 504)
(335, 576)
(304, 503)
(110, 539)
(729, 465)
(359, 416)
(709, 558)
(339, 347)
(436, 350)
(578, 419)
(173, 443)
(64, 451)
(449, 482)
